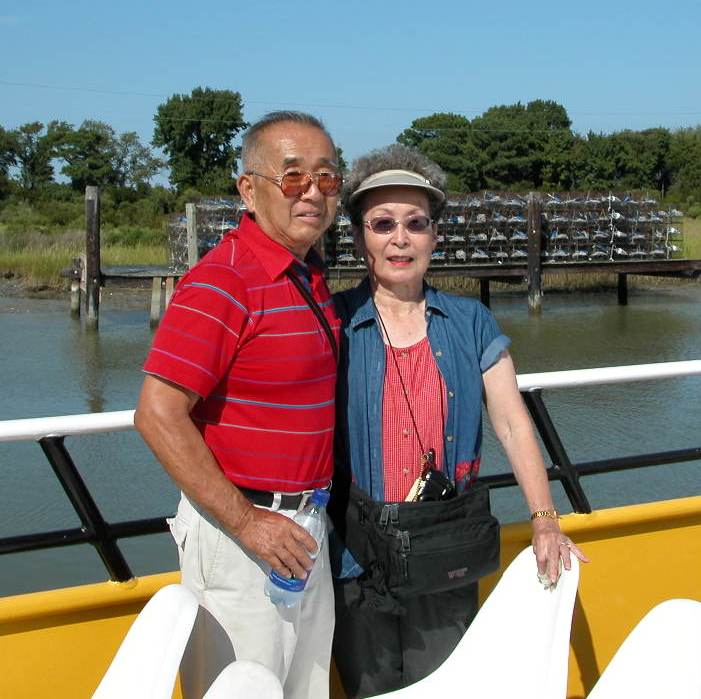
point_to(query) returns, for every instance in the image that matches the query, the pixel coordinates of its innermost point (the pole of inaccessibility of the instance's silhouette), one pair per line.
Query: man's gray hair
(392, 157)
(251, 139)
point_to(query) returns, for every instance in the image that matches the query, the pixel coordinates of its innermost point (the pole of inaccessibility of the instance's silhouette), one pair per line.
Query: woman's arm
(514, 430)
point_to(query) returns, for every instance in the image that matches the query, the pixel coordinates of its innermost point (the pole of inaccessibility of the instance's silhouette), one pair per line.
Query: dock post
(156, 301)
(191, 215)
(75, 298)
(622, 289)
(484, 291)
(535, 288)
(93, 275)
(170, 287)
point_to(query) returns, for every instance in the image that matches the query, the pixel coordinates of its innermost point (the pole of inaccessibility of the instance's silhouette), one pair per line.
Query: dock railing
(50, 433)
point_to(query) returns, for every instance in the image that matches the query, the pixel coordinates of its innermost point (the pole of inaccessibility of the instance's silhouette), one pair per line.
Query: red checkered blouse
(427, 396)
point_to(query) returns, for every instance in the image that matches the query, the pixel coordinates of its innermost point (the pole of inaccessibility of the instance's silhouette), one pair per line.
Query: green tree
(8, 158)
(34, 151)
(445, 138)
(89, 152)
(93, 154)
(515, 141)
(624, 160)
(135, 162)
(560, 169)
(341, 161)
(685, 165)
(197, 133)
(508, 146)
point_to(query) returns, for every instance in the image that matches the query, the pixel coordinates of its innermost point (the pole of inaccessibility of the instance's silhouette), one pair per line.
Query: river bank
(16, 284)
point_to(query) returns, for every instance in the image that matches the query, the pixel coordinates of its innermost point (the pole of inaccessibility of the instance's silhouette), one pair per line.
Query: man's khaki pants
(238, 621)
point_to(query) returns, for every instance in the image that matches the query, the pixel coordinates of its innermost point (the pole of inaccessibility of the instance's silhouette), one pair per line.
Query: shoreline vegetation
(36, 264)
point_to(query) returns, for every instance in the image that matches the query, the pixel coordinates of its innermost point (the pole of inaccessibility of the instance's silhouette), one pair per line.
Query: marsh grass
(692, 238)
(36, 259)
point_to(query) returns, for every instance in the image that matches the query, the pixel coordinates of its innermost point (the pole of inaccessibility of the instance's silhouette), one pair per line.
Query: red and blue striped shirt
(240, 335)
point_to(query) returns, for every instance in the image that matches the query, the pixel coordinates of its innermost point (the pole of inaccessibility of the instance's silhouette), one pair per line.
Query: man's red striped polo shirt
(239, 334)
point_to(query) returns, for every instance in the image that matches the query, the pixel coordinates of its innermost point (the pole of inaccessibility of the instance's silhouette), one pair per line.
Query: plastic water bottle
(289, 591)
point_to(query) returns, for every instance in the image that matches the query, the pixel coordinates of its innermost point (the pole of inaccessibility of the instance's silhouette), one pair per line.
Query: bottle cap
(320, 497)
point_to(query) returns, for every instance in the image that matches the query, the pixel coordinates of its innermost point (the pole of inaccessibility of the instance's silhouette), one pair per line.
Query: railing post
(93, 274)
(93, 523)
(567, 473)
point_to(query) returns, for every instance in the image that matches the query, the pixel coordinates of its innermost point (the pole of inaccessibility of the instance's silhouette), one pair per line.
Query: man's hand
(163, 419)
(277, 540)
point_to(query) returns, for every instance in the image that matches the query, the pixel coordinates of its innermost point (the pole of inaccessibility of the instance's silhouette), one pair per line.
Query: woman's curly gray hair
(393, 157)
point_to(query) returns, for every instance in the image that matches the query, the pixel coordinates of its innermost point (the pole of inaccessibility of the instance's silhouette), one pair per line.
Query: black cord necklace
(428, 456)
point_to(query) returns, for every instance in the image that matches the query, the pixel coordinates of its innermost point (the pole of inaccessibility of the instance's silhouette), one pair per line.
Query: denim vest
(465, 340)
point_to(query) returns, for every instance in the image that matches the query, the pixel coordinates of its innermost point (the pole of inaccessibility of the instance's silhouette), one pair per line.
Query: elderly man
(238, 406)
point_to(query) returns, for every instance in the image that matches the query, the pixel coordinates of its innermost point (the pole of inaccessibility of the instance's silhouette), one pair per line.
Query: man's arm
(163, 420)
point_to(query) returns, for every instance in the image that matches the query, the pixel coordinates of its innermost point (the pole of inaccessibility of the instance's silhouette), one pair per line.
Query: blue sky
(366, 68)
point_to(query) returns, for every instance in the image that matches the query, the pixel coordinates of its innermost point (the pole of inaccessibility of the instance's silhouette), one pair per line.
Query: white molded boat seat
(244, 679)
(517, 645)
(147, 662)
(661, 657)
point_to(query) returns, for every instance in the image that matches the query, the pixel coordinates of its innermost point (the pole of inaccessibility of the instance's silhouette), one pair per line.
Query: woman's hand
(552, 550)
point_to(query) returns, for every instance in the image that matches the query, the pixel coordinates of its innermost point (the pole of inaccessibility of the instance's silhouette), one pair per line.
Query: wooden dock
(88, 277)
(161, 281)
(511, 273)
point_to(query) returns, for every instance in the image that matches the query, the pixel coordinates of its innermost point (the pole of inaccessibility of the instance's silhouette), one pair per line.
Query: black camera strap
(316, 309)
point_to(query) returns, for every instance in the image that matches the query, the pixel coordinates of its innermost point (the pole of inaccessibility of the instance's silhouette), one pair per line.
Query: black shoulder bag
(418, 548)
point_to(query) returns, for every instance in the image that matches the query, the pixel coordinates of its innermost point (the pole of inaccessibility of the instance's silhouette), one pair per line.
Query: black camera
(435, 485)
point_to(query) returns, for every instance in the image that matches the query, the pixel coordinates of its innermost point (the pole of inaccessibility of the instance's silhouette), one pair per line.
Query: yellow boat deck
(59, 643)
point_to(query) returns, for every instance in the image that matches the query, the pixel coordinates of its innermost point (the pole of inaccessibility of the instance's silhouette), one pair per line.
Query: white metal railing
(607, 375)
(120, 420)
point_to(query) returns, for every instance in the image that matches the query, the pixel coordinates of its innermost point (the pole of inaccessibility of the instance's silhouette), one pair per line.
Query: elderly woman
(416, 365)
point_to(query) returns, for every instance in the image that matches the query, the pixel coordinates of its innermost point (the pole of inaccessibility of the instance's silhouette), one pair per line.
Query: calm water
(50, 366)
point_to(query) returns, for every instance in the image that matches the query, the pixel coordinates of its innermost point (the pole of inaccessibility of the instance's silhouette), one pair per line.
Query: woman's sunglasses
(294, 183)
(386, 224)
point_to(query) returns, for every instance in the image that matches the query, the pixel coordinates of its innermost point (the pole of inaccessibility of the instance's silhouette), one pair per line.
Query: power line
(314, 105)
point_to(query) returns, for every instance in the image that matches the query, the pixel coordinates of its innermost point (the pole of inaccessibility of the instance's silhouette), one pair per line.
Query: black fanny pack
(417, 548)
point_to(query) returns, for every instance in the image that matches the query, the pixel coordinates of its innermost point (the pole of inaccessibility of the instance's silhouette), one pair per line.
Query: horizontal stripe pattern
(248, 344)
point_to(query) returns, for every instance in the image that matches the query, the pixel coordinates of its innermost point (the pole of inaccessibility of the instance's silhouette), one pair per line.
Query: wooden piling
(75, 297)
(156, 301)
(622, 289)
(77, 284)
(192, 254)
(93, 274)
(484, 291)
(535, 288)
(170, 286)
